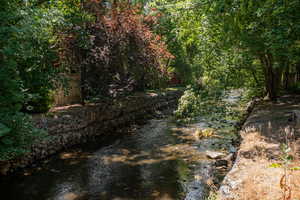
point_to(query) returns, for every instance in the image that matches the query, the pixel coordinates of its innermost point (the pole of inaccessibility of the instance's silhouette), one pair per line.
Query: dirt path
(269, 126)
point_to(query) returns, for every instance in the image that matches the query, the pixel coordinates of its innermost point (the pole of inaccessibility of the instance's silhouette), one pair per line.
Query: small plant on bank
(206, 133)
(286, 160)
(212, 196)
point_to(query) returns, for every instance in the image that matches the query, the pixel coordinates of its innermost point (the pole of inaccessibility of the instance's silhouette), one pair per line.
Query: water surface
(153, 163)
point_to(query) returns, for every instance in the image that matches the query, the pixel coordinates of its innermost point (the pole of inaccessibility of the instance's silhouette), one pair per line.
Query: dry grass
(252, 178)
(258, 180)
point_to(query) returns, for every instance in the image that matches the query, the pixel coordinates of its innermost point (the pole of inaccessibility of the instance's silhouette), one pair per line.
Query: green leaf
(290, 157)
(7, 141)
(4, 130)
(275, 165)
(295, 168)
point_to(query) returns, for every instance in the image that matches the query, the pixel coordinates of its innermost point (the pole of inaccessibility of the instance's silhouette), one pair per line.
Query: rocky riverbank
(77, 124)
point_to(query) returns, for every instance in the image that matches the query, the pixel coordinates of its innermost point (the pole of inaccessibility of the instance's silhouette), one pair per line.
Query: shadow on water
(150, 164)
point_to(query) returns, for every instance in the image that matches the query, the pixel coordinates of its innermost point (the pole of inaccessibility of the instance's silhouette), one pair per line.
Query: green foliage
(39, 103)
(27, 72)
(233, 43)
(266, 30)
(286, 158)
(188, 103)
(16, 134)
(28, 52)
(180, 28)
(295, 88)
(199, 49)
(199, 101)
(217, 45)
(208, 103)
(35, 62)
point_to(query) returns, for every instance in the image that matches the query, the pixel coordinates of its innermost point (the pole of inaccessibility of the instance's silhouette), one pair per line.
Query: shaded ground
(252, 178)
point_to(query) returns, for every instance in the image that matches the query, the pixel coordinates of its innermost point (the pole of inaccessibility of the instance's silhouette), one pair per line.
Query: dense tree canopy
(267, 30)
(230, 40)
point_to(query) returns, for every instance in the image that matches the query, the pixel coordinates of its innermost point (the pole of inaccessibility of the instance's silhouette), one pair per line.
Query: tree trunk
(254, 76)
(271, 76)
(83, 83)
(286, 76)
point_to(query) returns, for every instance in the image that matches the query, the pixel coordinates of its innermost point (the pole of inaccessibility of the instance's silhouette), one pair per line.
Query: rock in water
(214, 154)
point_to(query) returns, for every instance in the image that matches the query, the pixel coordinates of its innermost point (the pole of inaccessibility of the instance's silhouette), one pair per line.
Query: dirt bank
(252, 178)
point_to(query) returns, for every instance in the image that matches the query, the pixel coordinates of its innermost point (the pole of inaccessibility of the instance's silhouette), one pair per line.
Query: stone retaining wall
(76, 124)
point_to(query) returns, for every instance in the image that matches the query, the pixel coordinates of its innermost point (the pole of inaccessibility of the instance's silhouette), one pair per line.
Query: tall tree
(266, 29)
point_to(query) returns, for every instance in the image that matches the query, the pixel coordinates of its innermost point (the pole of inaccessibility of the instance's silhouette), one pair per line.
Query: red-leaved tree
(117, 51)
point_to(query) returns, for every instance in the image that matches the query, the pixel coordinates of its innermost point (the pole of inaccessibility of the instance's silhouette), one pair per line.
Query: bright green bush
(189, 103)
(196, 102)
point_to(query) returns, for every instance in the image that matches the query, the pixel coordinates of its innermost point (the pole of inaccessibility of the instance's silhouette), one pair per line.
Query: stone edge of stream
(76, 125)
(211, 168)
(233, 158)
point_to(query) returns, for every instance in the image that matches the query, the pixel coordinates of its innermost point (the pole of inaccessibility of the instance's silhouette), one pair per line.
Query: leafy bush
(36, 58)
(16, 129)
(189, 103)
(206, 102)
(16, 134)
(39, 103)
(27, 74)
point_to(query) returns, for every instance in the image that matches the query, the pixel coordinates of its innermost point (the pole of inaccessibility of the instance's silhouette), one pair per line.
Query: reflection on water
(152, 164)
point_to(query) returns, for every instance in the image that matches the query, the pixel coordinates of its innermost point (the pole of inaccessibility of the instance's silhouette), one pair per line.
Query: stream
(158, 161)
